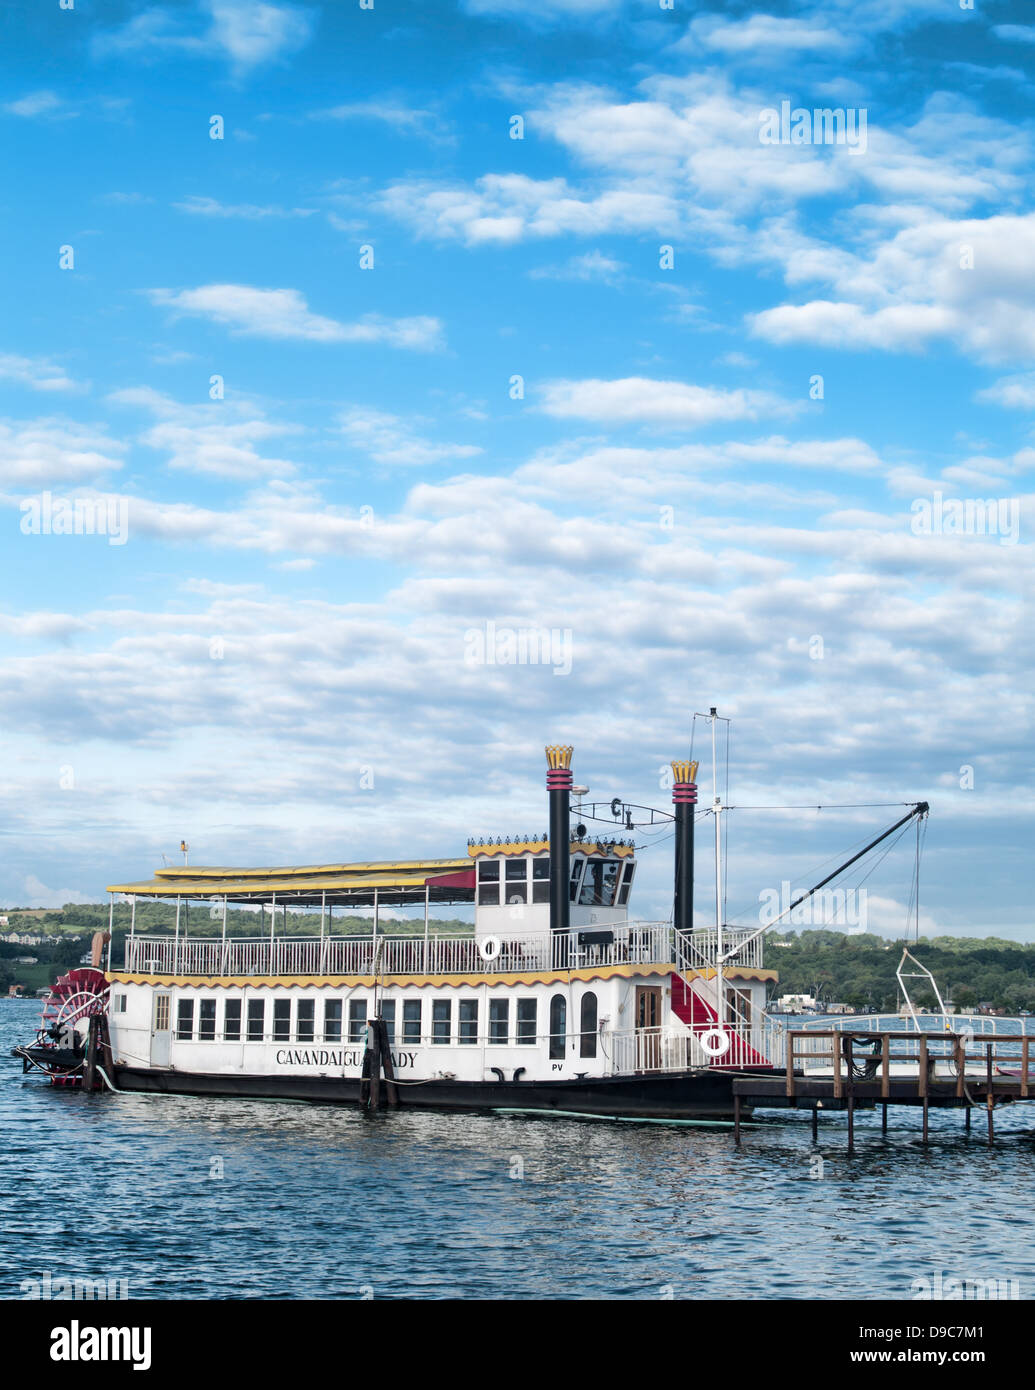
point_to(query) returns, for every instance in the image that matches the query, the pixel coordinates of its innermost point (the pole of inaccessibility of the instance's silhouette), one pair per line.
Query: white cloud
(1019, 33)
(248, 34)
(43, 103)
(46, 453)
(285, 314)
(640, 400)
(761, 35)
(504, 208)
(1014, 392)
(218, 439)
(252, 212)
(407, 120)
(39, 895)
(38, 372)
(968, 281)
(390, 440)
(593, 265)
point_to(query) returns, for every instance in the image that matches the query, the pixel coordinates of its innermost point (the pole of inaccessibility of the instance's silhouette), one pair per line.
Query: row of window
(296, 1021)
(594, 882)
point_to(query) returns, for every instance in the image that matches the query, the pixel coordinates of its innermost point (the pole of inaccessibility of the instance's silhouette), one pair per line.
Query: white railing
(641, 943)
(701, 945)
(741, 1046)
(628, 943)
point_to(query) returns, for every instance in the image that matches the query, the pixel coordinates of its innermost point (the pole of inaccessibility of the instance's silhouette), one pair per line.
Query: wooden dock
(892, 1068)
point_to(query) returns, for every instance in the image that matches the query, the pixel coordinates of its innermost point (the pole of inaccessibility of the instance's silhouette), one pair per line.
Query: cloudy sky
(384, 337)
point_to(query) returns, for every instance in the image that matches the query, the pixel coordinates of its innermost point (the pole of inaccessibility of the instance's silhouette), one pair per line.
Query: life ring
(489, 947)
(715, 1042)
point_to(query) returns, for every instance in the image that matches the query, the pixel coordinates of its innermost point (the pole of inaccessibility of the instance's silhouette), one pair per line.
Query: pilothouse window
(517, 881)
(600, 882)
(489, 882)
(540, 880)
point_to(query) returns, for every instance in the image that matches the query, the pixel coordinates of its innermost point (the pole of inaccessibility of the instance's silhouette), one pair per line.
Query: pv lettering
(76, 1343)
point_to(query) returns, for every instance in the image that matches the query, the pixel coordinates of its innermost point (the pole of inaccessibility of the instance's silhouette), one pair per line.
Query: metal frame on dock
(854, 1075)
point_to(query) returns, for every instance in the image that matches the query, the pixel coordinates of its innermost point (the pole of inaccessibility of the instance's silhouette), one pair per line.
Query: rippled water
(326, 1202)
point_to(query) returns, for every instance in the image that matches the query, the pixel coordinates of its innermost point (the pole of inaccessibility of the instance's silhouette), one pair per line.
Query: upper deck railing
(634, 943)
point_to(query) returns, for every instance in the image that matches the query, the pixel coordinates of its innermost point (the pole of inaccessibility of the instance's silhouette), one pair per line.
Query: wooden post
(374, 1047)
(391, 1089)
(989, 1093)
(364, 1083)
(884, 1117)
(885, 1065)
(90, 1077)
(835, 1048)
(790, 1064)
(961, 1065)
(1024, 1066)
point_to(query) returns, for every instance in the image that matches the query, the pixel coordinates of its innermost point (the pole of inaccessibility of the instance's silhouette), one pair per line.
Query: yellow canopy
(444, 880)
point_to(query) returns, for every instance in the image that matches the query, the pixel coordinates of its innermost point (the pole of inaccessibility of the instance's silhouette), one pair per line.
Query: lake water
(188, 1198)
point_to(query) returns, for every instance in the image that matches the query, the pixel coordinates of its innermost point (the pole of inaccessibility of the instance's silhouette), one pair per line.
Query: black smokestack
(684, 799)
(558, 782)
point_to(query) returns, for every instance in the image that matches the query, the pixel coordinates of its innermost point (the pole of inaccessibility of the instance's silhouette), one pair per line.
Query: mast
(720, 1003)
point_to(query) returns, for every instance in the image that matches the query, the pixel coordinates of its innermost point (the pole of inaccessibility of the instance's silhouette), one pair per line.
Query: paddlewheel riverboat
(558, 1000)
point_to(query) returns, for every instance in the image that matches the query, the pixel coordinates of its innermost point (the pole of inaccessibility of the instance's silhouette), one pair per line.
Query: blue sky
(274, 663)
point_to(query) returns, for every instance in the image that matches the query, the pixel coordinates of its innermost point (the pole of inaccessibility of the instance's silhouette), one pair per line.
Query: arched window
(588, 1026)
(558, 1026)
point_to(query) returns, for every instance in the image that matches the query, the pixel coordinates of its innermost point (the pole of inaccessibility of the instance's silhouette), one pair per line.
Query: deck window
(527, 1011)
(206, 1020)
(305, 1025)
(357, 1020)
(516, 884)
(540, 880)
(332, 1020)
(489, 882)
(411, 1020)
(588, 1026)
(558, 1026)
(161, 1013)
(388, 1014)
(256, 1019)
(499, 1021)
(232, 1020)
(441, 1020)
(281, 1020)
(468, 1025)
(184, 1019)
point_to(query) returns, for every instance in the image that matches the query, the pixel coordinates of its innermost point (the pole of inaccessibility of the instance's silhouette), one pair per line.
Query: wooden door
(648, 1027)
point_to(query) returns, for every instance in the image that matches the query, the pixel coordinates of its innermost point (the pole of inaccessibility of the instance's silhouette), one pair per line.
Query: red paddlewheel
(81, 993)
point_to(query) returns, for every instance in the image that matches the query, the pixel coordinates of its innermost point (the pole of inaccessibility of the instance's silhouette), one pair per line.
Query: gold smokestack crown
(684, 771)
(558, 755)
